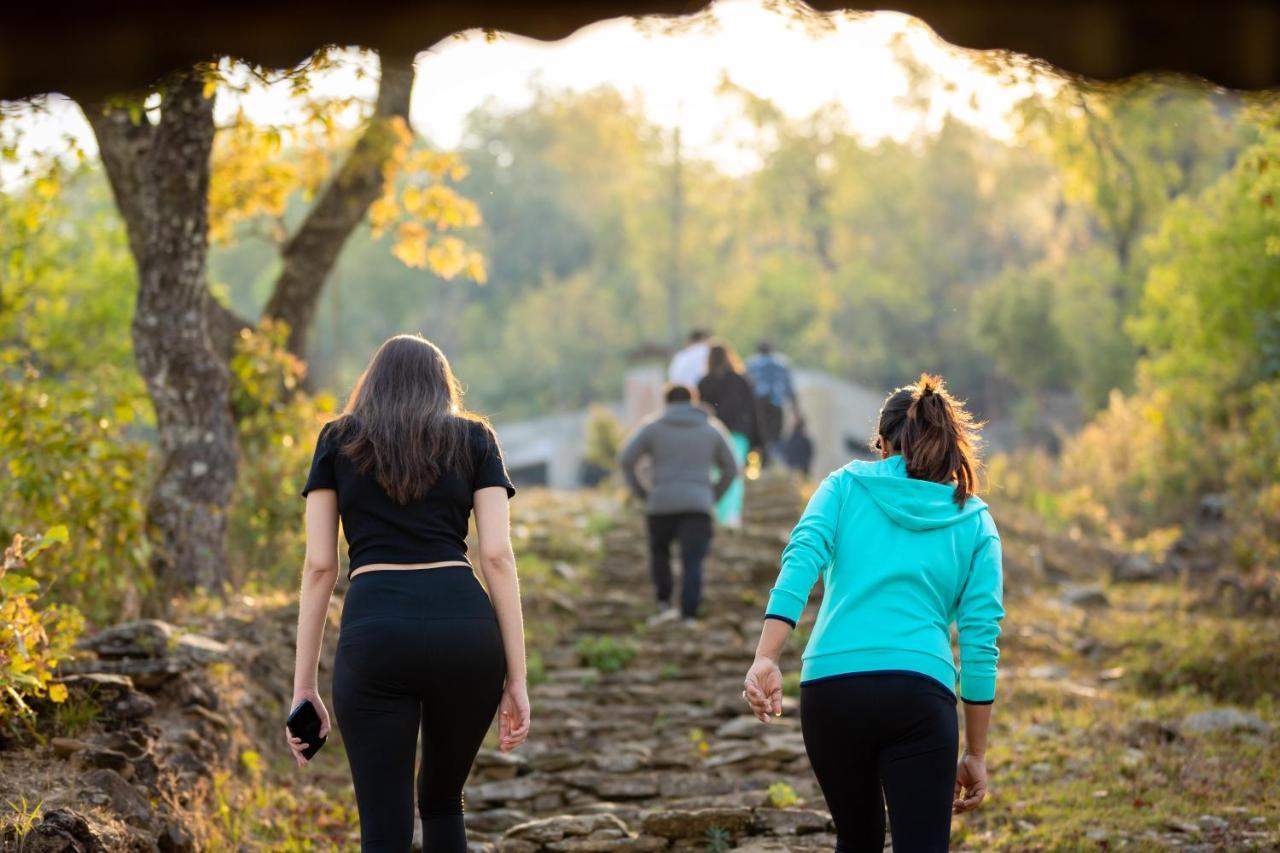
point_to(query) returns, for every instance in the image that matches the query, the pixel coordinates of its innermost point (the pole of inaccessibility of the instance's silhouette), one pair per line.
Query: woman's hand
(295, 744)
(971, 783)
(513, 715)
(763, 689)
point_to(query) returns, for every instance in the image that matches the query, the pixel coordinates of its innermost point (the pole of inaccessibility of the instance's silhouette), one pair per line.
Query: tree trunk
(159, 174)
(311, 253)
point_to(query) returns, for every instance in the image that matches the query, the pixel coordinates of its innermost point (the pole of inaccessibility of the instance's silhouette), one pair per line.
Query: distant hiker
(689, 364)
(422, 650)
(905, 548)
(683, 443)
(799, 449)
(771, 378)
(727, 392)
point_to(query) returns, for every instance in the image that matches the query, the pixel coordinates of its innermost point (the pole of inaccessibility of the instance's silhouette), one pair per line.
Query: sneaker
(664, 615)
(691, 624)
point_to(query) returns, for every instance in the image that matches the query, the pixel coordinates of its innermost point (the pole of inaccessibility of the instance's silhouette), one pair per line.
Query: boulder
(113, 693)
(676, 824)
(1085, 597)
(201, 713)
(109, 789)
(1144, 732)
(1224, 720)
(741, 727)
(200, 648)
(618, 762)
(495, 820)
(176, 838)
(631, 787)
(1137, 567)
(144, 673)
(552, 829)
(107, 759)
(520, 788)
(491, 765)
(65, 747)
(63, 831)
(792, 821)
(143, 638)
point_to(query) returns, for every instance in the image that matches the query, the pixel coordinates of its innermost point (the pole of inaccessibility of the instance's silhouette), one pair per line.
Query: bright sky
(800, 68)
(675, 72)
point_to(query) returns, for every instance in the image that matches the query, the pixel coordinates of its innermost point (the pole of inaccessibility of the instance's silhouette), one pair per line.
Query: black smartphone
(304, 723)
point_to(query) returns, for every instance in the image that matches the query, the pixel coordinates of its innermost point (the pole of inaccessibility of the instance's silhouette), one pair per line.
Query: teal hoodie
(900, 562)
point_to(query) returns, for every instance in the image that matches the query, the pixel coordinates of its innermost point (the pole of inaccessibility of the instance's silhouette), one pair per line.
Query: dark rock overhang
(94, 49)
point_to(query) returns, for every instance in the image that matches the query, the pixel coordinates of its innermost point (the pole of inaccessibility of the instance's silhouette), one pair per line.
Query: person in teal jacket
(905, 549)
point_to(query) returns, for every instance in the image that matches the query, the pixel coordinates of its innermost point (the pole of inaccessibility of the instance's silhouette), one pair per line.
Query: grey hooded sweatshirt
(683, 443)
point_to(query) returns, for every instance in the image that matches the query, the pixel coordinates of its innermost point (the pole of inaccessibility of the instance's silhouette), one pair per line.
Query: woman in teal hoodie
(905, 549)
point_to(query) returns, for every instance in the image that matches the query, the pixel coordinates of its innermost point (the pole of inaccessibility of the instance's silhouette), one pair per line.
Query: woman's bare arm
(319, 574)
(498, 567)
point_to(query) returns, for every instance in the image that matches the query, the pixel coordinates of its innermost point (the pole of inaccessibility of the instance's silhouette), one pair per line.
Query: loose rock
(1224, 719)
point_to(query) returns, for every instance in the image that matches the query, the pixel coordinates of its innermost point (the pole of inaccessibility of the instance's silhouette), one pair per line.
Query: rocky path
(1130, 715)
(641, 739)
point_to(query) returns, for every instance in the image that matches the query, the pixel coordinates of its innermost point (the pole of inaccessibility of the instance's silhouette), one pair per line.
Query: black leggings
(419, 649)
(890, 731)
(693, 530)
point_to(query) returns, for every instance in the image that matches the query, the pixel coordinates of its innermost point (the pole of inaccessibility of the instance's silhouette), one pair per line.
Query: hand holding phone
(304, 723)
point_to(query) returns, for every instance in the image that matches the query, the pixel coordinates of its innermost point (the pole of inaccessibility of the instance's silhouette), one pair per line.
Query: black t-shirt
(432, 529)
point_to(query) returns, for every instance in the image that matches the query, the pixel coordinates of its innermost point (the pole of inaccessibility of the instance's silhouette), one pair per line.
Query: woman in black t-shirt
(421, 646)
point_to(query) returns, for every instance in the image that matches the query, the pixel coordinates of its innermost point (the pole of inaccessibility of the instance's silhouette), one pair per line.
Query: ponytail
(935, 434)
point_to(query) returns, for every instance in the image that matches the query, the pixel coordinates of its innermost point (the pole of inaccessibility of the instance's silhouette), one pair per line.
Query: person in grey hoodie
(683, 443)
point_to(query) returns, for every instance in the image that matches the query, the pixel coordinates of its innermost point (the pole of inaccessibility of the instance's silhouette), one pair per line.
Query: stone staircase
(661, 753)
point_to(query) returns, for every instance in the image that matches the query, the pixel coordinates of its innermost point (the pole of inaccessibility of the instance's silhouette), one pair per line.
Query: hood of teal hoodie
(913, 504)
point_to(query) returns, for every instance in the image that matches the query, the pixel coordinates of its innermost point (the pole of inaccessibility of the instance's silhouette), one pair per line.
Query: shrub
(71, 459)
(782, 795)
(34, 635)
(74, 418)
(607, 654)
(277, 426)
(603, 440)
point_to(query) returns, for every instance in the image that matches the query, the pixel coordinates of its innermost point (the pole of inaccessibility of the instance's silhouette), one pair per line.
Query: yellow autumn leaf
(411, 245)
(413, 200)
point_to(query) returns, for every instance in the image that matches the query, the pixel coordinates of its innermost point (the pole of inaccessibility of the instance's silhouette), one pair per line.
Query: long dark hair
(404, 424)
(935, 434)
(721, 359)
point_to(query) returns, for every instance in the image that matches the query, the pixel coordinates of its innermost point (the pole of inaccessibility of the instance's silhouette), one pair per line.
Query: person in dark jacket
(771, 379)
(728, 393)
(799, 449)
(683, 444)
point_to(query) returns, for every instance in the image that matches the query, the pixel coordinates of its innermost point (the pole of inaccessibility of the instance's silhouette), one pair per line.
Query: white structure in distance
(840, 418)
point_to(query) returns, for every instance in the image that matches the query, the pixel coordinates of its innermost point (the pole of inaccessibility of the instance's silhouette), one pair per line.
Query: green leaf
(13, 584)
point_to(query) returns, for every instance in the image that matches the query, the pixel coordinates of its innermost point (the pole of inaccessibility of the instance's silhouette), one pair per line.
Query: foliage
(73, 437)
(994, 260)
(782, 795)
(277, 428)
(1202, 418)
(1232, 662)
(605, 653)
(34, 634)
(260, 169)
(604, 438)
(718, 839)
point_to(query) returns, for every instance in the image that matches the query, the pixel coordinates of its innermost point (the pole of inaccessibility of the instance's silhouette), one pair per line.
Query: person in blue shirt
(770, 377)
(905, 549)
